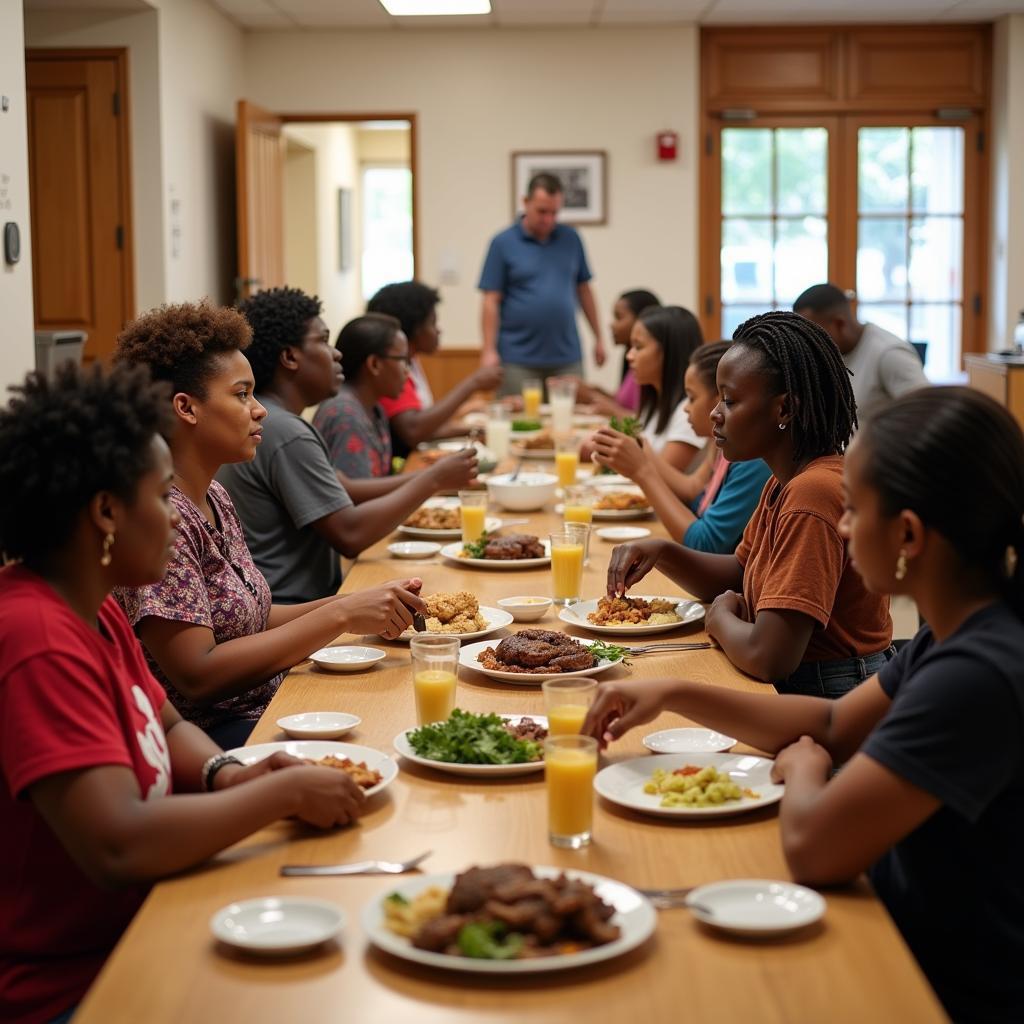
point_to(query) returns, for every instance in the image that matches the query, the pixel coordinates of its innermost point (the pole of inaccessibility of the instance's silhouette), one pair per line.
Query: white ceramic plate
(496, 619)
(347, 659)
(520, 451)
(633, 914)
(623, 783)
(614, 480)
(318, 725)
(451, 552)
(315, 749)
(688, 741)
(756, 906)
(468, 659)
(623, 513)
(414, 549)
(618, 534)
(689, 611)
(487, 771)
(277, 925)
(491, 524)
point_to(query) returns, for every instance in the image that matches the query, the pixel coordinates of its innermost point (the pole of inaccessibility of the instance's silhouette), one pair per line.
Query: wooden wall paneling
(446, 367)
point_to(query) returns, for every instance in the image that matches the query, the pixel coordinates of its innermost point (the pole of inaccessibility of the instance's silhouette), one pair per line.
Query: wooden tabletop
(853, 966)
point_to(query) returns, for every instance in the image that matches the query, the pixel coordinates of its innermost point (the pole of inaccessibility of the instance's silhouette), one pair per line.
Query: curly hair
(409, 302)
(278, 318)
(63, 441)
(804, 363)
(180, 344)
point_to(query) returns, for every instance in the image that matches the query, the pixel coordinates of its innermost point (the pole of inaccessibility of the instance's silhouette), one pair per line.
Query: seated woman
(414, 416)
(211, 632)
(90, 749)
(788, 606)
(931, 798)
(626, 401)
(712, 519)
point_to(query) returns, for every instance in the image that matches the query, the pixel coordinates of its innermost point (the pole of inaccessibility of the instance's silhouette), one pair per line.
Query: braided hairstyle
(805, 364)
(956, 458)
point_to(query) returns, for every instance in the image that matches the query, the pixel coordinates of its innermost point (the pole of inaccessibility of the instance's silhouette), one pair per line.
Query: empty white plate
(318, 725)
(621, 533)
(275, 926)
(756, 906)
(414, 548)
(686, 741)
(346, 659)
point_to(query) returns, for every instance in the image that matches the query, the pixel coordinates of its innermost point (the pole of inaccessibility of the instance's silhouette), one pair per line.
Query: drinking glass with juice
(566, 567)
(579, 505)
(570, 764)
(567, 459)
(473, 510)
(566, 703)
(533, 392)
(580, 532)
(435, 663)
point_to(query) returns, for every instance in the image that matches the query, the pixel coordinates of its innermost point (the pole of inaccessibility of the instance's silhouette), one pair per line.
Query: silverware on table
(672, 899)
(418, 622)
(361, 867)
(667, 648)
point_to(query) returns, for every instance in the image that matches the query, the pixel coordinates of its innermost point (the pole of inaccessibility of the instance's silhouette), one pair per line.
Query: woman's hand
(619, 452)
(630, 563)
(237, 774)
(621, 706)
(325, 797)
(386, 611)
(728, 604)
(804, 754)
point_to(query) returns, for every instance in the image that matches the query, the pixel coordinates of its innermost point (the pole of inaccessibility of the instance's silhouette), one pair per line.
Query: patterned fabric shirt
(211, 581)
(359, 442)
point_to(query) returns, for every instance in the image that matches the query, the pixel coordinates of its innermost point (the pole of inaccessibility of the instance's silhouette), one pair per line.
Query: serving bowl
(527, 493)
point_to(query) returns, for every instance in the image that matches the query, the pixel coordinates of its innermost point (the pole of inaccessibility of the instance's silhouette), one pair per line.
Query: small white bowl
(621, 533)
(756, 906)
(527, 493)
(277, 926)
(318, 725)
(414, 549)
(526, 609)
(347, 659)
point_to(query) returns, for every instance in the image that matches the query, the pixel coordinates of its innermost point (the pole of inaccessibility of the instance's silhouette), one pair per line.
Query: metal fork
(668, 648)
(361, 867)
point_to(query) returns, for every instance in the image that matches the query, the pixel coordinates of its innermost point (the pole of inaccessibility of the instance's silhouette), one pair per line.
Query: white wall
(479, 95)
(17, 349)
(301, 262)
(1006, 260)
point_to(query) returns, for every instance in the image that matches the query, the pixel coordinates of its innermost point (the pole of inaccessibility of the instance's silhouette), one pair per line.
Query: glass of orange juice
(579, 505)
(533, 392)
(473, 510)
(435, 665)
(567, 702)
(570, 764)
(581, 531)
(567, 459)
(566, 567)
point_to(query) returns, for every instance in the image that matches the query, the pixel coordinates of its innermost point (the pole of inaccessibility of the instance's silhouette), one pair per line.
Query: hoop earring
(901, 566)
(782, 426)
(106, 558)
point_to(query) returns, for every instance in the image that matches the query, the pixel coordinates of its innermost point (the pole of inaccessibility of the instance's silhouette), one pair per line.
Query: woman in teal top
(709, 507)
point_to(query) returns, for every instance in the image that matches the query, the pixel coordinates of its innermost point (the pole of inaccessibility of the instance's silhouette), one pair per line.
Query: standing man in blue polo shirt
(534, 275)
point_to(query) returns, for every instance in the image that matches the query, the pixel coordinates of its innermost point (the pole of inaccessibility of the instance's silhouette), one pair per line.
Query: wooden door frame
(120, 56)
(350, 118)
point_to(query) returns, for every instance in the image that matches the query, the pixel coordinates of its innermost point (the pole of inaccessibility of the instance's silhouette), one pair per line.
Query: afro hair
(409, 302)
(278, 317)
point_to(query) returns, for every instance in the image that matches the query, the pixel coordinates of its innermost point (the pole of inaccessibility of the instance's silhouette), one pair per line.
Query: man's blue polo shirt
(538, 282)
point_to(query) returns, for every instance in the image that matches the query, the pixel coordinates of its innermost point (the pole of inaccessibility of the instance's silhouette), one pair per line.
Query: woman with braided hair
(788, 607)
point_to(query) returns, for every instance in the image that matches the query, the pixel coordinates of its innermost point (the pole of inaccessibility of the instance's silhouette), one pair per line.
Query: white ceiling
(316, 14)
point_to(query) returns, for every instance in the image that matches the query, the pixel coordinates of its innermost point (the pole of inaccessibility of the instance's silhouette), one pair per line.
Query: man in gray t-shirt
(883, 365)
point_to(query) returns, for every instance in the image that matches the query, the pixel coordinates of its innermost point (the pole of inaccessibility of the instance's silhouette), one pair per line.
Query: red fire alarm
(668, 145)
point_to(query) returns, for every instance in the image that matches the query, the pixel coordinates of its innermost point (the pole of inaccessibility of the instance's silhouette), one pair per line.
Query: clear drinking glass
(567, 458)
(473, 510)
(566, 702)
(562, 394)
(579, 505)
(581, 531)
(570, 764)
(566, 567)
(499, 430)
(533, 392)
(435, 667)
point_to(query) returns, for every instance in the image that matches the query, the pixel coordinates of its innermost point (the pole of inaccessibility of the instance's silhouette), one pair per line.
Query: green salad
(522, 426)
(628, 425)
(467, 738)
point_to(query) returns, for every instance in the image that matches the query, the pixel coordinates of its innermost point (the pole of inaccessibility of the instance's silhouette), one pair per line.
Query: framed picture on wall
(583, 174)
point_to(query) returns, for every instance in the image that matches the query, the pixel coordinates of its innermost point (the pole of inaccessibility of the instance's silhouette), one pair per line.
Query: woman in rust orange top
(788, 606)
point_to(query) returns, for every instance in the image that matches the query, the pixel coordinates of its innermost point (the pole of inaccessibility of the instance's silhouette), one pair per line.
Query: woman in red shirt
(90, 749)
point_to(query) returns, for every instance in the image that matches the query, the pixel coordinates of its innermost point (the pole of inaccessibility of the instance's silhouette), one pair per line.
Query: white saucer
(688, 741)
(347, 659)
(414, 549)
(318, 725)
(619, 533)
(756, 906)
(277, 926)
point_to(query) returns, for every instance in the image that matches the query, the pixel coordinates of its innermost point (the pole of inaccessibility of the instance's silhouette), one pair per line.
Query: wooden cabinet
(1001, 379)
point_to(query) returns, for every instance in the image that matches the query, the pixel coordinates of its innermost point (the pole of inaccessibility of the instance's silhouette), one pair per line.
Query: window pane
(746, 260)
(801, 257)
(882, 166)
(882, 259)
(936, 255)
(387, 227)
(733, 316)
(937, 170)
(893, 317)
(802, 162)
(939, 326)
(746, 170)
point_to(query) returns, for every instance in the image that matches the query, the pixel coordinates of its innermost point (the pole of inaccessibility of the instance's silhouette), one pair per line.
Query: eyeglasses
(399, 359)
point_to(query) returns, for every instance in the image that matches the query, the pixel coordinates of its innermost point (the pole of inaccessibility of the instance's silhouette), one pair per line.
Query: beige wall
(1006, 263)
(479, 95)
(301, 263)
(383, 146)
(17, 350)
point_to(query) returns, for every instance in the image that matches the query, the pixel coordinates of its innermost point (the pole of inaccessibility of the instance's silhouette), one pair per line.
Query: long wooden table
(851, 967)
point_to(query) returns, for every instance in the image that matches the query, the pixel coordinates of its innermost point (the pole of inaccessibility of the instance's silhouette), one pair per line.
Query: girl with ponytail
(930, 800)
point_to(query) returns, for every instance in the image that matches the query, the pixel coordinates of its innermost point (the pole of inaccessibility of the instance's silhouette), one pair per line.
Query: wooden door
(259, 169)
(80, 193)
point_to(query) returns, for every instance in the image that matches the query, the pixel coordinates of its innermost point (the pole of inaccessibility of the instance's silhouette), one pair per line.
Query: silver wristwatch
(213, 765)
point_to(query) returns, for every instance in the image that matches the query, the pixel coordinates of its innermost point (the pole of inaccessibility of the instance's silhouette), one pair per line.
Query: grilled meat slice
(473, 888)
(514, 546)
(438, 934)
